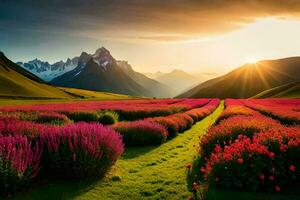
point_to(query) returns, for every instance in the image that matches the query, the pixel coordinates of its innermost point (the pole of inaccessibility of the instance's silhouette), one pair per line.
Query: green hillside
(249, 80)
(15, 82)
(290, 90)
(88, 94)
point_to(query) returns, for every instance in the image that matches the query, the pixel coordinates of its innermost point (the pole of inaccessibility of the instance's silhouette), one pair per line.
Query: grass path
(142, 173)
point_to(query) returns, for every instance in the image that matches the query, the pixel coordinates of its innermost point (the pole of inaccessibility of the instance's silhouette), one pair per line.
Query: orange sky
(207, 36)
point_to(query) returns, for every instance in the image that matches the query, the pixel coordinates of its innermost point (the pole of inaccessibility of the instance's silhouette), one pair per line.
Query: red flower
(240, 161)
(202, 170)
(271, 178)
(194, 186)
(277, 188)
(292, 168)
(262, 177)
(271, 155)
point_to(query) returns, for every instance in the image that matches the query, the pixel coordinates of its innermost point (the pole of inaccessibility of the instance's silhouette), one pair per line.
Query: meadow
(151, 149)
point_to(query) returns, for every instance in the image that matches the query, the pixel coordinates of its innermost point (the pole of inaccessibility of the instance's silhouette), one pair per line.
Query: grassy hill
(15, 82)
(88, 94)
(290, 90)
(249, 80)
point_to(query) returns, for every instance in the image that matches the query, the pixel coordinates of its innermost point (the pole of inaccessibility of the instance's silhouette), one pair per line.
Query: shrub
(136, 114)
(169, 123)
(19, 162)
(82, 116)
(141, 133)
(12, 126)
(268, 161)
(108, 117)
(242, 164)
(228, 130)
(52, 118)
(81, 150)
(231, 111)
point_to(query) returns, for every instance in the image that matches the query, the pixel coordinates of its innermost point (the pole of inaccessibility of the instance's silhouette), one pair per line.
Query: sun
(252, 60)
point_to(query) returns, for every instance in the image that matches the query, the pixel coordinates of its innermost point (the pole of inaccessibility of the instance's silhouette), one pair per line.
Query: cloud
(168, 20)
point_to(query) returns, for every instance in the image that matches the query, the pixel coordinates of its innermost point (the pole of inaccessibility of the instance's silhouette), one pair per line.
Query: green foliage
(108, 117)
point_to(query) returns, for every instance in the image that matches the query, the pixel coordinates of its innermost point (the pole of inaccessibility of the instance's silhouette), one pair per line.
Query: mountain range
(102, 72)
(249, 79)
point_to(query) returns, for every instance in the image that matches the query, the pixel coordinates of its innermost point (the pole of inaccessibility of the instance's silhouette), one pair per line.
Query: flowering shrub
(19, 162)
(228, 130)
(231, 111)
(108, 117)
(242, 164)
(141, 133)
(283, 110)
(199, 113)
(12, 126)
(169, 123)
(52, 118)
(81, 150)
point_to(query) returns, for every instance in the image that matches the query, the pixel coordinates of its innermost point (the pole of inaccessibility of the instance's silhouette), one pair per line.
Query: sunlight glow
(252, 60)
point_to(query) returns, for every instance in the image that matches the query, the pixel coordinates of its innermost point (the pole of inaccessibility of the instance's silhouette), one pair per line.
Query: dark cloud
(140, 19)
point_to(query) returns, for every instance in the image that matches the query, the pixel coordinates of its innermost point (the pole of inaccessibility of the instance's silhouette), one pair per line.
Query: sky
(208, 37)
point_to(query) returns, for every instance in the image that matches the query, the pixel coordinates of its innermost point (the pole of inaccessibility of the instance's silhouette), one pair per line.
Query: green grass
(142, 173)
(290, 90)
(88, 94)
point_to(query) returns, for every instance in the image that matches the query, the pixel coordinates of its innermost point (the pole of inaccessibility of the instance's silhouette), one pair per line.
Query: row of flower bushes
(287, 114)
(70, 151)
(249, 152)
(127, 110)
(154, 131)
(103, 117)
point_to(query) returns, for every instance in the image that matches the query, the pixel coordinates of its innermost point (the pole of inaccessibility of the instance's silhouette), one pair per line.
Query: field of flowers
(254, 146)
(84, 139)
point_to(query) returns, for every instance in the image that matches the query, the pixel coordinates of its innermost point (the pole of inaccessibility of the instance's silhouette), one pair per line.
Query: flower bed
(19, 162)
(141, 133)
(80, 150)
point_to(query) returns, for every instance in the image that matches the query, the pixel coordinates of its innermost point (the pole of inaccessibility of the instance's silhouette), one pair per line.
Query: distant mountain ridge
(178, 80)
(47, 71)
(249, 79)
(102, 72)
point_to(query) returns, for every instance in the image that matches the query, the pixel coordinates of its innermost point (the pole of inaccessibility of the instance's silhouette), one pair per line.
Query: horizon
(246, 33)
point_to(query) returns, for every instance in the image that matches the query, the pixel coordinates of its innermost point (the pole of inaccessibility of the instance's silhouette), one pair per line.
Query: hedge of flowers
(235, 107)
(81, 150)
(251, 152)
(127, 110)
(141, 133)
(72, 150)
(19, 162)
(280, 109)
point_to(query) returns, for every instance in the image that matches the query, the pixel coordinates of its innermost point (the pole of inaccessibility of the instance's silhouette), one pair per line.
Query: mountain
(290, 90)
(46, 71)
(154, 75)
(101, 72)
(16, 82)
(249, 79)
(178, 80)
(156, 88)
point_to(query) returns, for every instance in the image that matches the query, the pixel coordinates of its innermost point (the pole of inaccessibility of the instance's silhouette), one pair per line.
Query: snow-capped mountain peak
(103, 58)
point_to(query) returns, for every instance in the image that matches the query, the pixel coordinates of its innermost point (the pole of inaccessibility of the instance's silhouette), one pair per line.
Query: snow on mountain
(47, 71)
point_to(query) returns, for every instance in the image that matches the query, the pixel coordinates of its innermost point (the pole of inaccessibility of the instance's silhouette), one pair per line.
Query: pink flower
(240, 161)
(271, 178)
(202, 170)
(292, 168)
(277, 188)
(262, 177)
